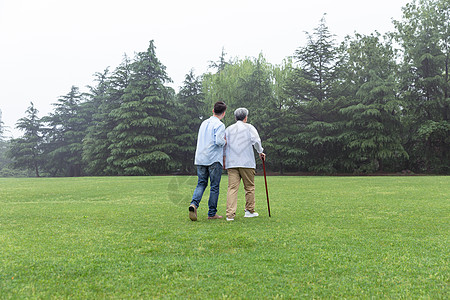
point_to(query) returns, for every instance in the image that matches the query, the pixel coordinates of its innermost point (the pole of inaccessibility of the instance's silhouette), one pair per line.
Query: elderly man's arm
(224, 151)
(256, 140)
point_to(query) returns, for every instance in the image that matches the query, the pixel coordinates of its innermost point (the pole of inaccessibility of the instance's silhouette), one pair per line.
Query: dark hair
(219, 107)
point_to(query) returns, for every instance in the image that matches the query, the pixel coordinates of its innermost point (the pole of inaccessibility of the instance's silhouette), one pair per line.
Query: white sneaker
(250, 215)
(228, 219)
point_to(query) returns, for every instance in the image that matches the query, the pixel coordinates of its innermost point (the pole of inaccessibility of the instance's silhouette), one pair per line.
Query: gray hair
(240, 113)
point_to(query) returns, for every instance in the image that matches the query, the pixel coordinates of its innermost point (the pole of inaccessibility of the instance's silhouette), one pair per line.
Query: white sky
(46, 46)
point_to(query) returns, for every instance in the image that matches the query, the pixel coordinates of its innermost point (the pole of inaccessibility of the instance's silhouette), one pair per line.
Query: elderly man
(208, 159)
(239, 160)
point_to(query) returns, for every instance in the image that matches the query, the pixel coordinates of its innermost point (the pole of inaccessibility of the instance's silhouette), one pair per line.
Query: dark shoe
(193, 212)
(215, 217)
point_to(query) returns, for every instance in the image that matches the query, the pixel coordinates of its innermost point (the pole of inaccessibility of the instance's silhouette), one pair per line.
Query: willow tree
(255, 91)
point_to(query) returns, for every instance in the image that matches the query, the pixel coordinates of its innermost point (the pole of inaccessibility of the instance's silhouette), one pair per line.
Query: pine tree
(221, 63)
(26, 151)
(313, 104)
(191, 110)
(372, 132)
(285, 152)
(142, 141)
(317, 64)
(107, 97)
(95, 143)
(117, 83)
(424, 35)
(63, 139)
(1, 125)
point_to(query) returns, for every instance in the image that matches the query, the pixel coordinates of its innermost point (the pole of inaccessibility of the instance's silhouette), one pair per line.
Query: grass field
(130, 237)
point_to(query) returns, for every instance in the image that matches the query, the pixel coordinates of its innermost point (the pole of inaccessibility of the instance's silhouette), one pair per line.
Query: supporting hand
(262, 156)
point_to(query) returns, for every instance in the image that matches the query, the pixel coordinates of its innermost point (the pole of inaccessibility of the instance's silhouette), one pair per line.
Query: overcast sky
(46, 46)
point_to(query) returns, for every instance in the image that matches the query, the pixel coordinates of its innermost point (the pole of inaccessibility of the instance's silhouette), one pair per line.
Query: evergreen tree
(26, 151)
(316, 73)
(1, 125)
(95, 143)
(63, 139)
(107, 95)
(191, 110)
(372, 132)
(142, 141)
(313, 106)
(4, 160)
(424, 35)
(118, 82)
(284, 151)
(221, 63)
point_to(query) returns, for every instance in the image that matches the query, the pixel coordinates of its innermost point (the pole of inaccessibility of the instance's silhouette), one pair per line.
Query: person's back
(240, 162)
(209, 142)
(241, 137)
(208, 160)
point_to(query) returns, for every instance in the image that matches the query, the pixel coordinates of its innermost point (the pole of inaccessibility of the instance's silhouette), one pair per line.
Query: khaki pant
(234, 179)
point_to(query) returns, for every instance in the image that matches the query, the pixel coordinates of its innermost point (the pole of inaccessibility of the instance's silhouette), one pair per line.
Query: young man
(208, 159)
(240, 162)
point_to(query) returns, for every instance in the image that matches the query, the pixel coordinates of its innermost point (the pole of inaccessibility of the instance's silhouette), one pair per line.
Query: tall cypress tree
(142, 141)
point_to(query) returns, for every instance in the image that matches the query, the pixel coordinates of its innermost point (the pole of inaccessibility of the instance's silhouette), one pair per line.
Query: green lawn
(130, 237)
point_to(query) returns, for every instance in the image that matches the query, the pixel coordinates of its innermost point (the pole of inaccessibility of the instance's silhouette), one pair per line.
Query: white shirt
(210, 142)
(241, 138)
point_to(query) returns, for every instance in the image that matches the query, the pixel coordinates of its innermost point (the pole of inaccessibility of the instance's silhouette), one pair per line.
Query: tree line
(372, 103)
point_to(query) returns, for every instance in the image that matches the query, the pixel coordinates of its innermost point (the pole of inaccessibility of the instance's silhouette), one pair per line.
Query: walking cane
(265, 180)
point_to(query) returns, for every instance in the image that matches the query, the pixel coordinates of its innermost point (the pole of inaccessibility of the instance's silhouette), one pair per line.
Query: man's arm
(219, 136)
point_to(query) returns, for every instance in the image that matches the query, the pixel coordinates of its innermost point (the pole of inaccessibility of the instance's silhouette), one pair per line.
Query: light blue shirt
(210, 142)
(241, 139)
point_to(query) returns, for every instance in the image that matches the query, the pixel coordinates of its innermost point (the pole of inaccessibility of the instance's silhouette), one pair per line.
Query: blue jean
(214, 172)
